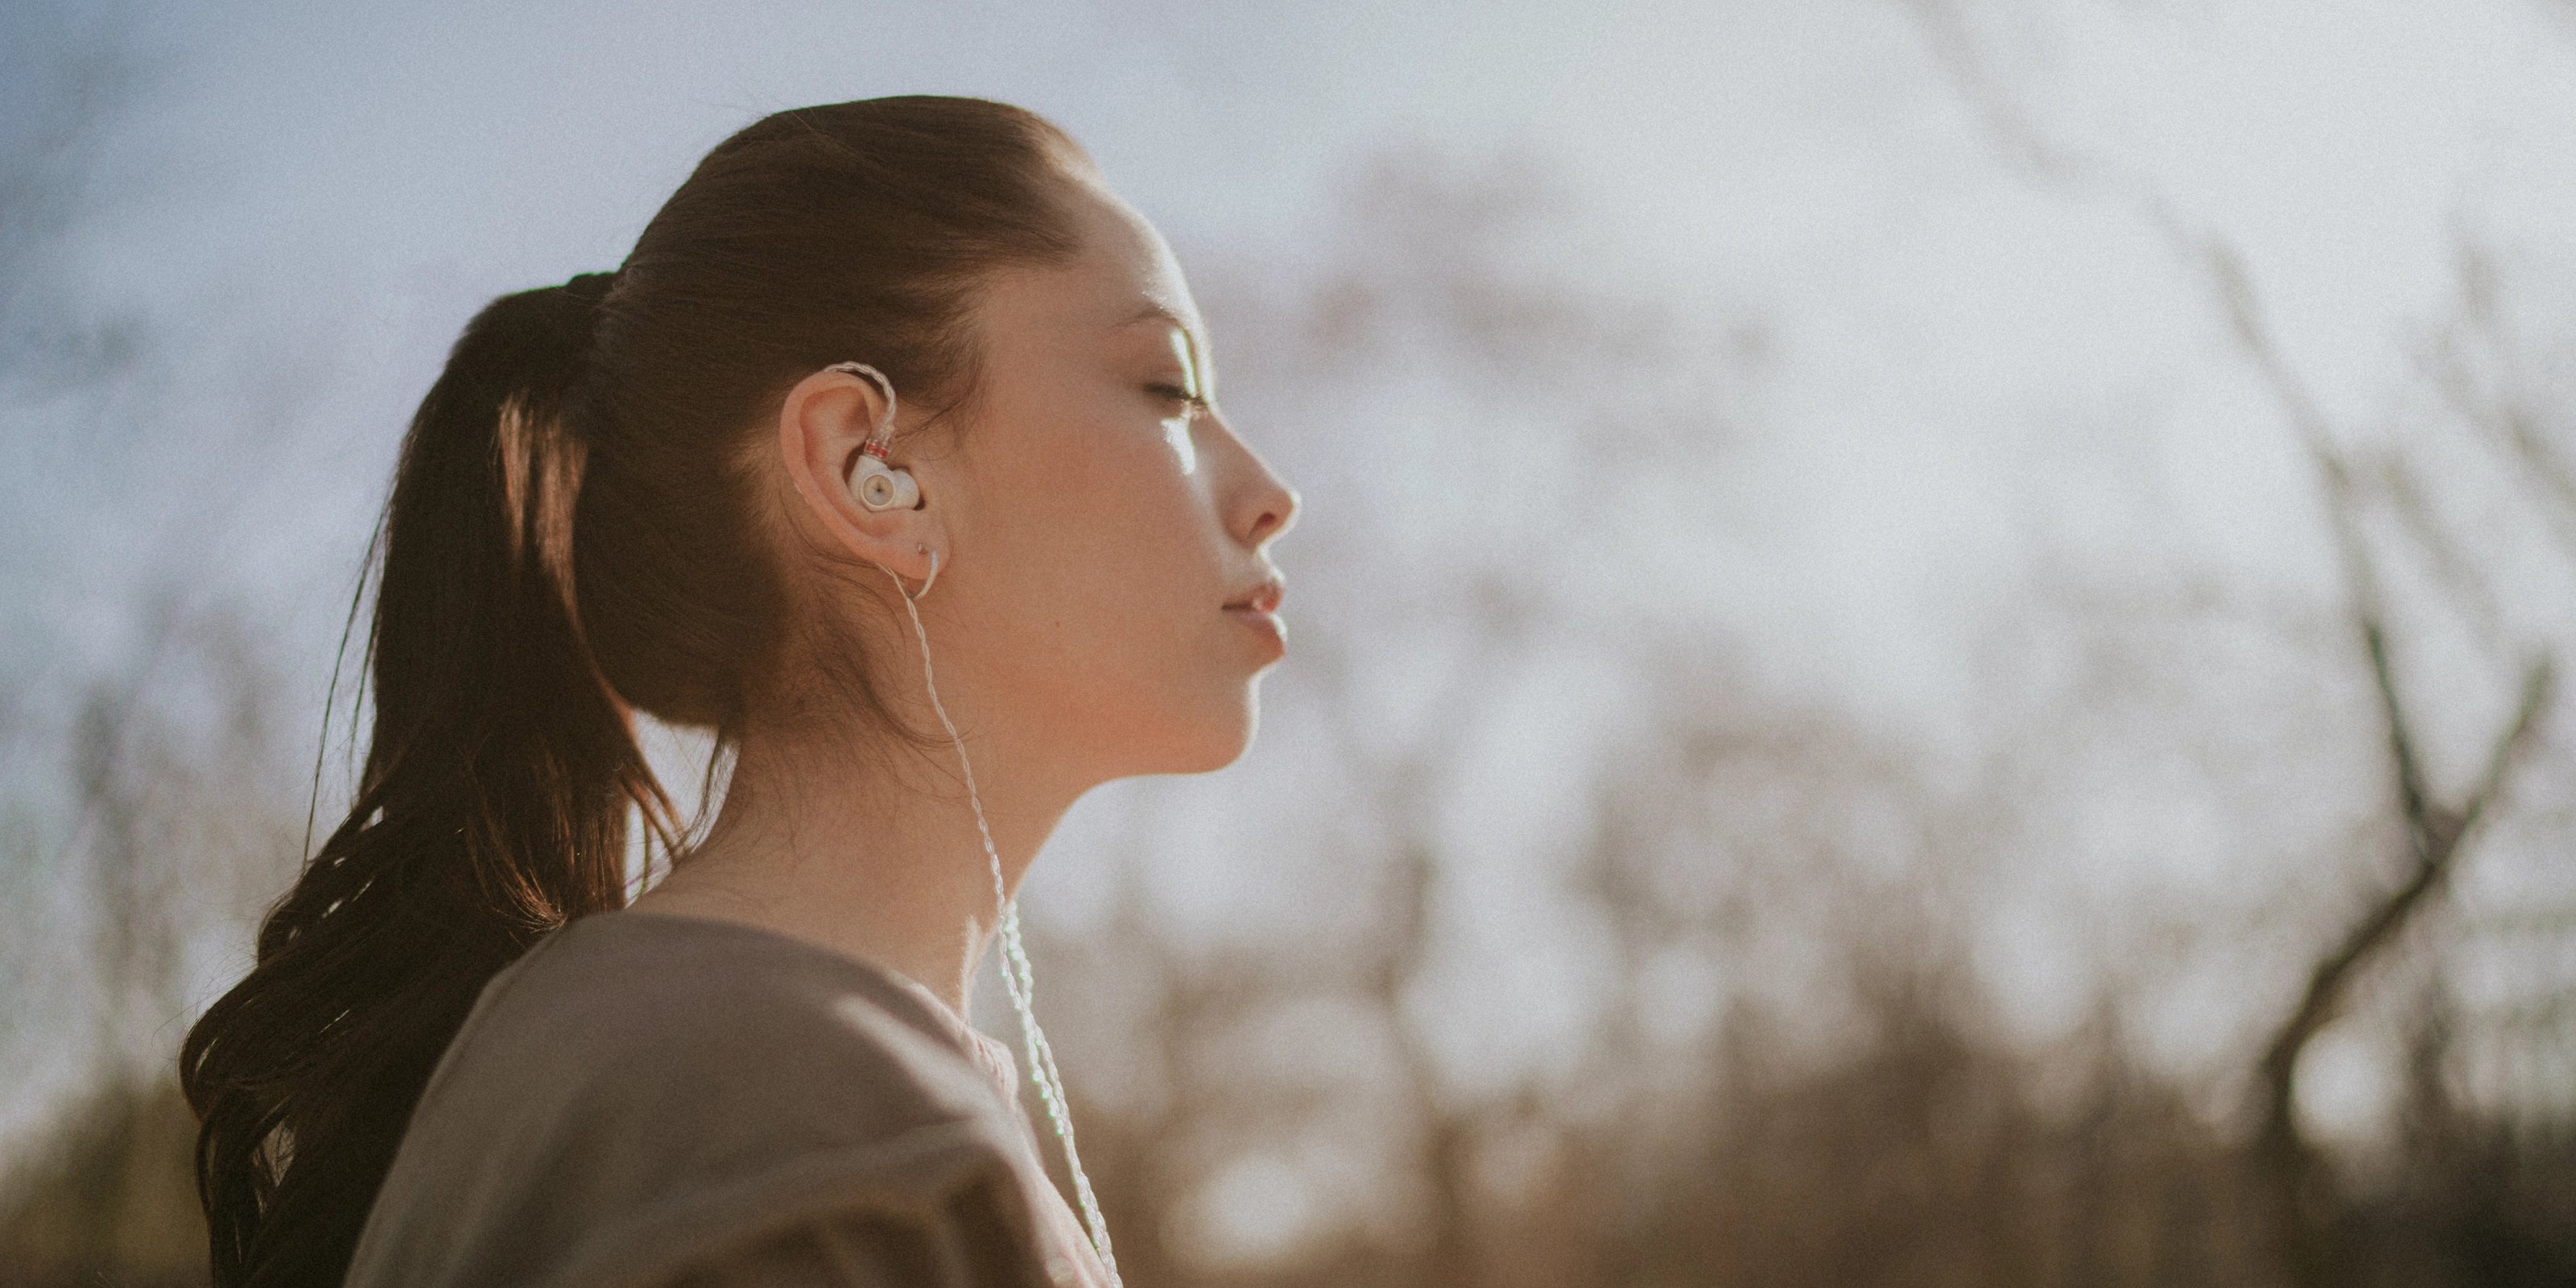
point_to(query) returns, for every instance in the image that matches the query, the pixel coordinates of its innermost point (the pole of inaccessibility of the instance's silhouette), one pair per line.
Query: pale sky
(307, 201)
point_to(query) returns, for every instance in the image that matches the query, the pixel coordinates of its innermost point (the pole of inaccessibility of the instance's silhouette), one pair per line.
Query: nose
(1276, 517)
(1267, 506)
(1262, 505)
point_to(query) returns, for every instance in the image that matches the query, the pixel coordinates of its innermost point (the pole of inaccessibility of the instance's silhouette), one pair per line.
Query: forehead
(1111, 287)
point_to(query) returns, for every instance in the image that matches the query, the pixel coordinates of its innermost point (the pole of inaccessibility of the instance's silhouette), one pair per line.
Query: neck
(877, 860)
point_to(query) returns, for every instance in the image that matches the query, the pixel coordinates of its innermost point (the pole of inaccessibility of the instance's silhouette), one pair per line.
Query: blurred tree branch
(2436, 828)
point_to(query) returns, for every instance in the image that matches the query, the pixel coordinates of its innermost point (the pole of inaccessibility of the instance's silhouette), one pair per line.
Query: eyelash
(1180, 395)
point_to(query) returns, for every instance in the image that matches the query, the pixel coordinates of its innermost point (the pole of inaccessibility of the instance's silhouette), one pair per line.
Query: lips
(1257, 608)
(1263, 598)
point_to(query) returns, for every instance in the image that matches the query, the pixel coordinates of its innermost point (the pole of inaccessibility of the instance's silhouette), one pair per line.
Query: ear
(820, 427)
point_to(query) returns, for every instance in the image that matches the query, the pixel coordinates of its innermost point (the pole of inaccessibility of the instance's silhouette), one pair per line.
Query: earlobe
(933, 575)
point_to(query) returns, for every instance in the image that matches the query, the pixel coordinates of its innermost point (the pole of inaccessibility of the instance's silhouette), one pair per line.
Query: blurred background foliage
(1555, 934)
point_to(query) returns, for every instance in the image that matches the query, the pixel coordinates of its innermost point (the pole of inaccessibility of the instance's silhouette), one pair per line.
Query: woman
(882, 383)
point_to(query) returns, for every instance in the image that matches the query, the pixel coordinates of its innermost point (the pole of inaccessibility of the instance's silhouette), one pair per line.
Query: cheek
(1143, 671)
(1184, 449)
(1111, 569)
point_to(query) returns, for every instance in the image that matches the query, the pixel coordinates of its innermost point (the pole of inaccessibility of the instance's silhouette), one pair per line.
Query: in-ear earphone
(880, 487)
(876, 484)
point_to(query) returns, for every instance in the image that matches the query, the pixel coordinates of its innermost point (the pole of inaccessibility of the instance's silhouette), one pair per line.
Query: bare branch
(2435, 830)
(1954, 50)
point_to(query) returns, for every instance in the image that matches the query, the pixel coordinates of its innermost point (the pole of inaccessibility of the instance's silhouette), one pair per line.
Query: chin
(1216, 738)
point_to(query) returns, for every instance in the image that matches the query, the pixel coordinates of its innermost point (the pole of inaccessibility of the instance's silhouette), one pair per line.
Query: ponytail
(493, 808)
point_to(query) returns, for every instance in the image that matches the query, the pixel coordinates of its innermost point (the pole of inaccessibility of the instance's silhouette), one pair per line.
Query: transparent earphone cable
(1017, 979)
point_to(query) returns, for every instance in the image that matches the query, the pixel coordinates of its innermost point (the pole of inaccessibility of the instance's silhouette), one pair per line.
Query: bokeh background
(1930, 639)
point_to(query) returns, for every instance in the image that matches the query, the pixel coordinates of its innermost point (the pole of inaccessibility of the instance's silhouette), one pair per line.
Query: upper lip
(1263, 597)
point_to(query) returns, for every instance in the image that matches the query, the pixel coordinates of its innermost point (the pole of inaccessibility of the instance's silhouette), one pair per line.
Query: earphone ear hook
(879, 486)
(882, 436)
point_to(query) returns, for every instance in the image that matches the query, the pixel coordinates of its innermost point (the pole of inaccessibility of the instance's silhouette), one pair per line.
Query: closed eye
(1174, 393)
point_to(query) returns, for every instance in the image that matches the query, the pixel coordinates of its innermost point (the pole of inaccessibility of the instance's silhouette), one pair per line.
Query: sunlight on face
(1176, 428)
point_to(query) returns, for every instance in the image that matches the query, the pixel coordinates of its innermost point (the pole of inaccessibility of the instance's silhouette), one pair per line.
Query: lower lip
(1266, 623)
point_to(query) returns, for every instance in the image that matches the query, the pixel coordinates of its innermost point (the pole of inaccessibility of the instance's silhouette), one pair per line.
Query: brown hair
(571, 533)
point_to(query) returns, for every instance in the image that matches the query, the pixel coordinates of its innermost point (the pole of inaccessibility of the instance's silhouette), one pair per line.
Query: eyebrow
(1155, 309)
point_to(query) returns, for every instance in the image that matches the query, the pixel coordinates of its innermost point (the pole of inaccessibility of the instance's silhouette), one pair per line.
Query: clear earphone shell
(882, 487)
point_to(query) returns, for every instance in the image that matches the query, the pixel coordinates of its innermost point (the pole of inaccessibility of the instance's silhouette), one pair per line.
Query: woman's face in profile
(1109, 520)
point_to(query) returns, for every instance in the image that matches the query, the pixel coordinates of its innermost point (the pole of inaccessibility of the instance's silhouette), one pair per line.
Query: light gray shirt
(646, 1100)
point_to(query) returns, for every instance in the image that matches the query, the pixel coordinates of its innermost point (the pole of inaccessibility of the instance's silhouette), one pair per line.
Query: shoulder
(643, 1010)
(641, 1087)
